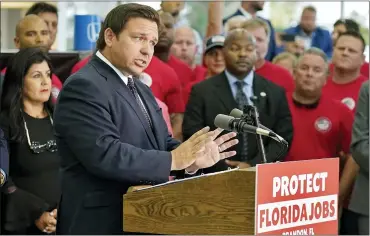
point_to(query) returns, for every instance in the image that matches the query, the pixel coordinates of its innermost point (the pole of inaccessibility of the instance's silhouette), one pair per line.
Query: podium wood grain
(216, 204)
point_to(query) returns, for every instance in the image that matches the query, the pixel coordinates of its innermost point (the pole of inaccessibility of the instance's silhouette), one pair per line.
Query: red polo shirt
(80, 64)
(319, 132)
(183, 71)
(199, 74)
(165, 85)
(346, 93)
(56, 85)
(277, 75)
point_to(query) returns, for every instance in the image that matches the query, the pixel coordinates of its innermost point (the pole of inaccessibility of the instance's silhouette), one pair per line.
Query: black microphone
(237, 125)
(236, 113)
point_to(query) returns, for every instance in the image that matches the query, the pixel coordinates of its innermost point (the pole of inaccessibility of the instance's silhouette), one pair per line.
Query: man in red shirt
(344, 85)
(322, 126)
(341, 26)
(184, 46)
(348, 56)
(162, 50)
(32, 31)
(276, 74)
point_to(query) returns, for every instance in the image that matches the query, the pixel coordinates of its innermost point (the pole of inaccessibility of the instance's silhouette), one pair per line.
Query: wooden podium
(221, 203)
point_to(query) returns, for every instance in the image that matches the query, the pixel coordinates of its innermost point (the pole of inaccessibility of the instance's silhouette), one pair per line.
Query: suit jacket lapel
(223, 92)
(259, 93)
(122, 89)
(152, 113)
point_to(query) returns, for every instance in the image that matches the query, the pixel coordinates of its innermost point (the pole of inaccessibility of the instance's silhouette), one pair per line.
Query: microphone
(237, 125)
(236, 113)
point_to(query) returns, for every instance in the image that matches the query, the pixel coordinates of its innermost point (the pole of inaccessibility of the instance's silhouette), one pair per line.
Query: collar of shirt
(247, 89)
(119, 73)
(245, 13)
(307, 38)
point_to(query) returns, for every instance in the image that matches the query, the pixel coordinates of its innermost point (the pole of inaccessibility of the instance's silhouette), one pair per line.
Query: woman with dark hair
(32, 191)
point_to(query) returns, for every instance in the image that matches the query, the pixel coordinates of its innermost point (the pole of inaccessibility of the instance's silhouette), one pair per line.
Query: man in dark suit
(111, 133)
(249, 9)
(237, 86)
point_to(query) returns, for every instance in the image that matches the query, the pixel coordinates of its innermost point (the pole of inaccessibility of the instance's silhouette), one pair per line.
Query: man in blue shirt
(249, 9)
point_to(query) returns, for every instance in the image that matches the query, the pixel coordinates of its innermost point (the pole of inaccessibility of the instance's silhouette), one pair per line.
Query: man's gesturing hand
(203, 150)
(212, 151)
(185, 154)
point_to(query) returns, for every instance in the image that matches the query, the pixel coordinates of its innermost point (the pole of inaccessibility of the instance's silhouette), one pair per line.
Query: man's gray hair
(314, 51)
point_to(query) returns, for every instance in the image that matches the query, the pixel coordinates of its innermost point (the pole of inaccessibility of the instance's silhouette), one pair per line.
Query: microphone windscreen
(223, 121)
(236, 113)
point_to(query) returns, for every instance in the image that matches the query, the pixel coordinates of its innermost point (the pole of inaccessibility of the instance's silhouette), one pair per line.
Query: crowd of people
(309, 85)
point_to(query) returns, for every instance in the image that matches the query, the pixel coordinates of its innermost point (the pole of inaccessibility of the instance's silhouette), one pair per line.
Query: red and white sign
(297, 198)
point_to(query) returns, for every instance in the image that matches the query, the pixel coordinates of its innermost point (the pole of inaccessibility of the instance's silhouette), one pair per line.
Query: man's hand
(47, 222)
(203, 150)
(212, 150)
(186, 154)
(241, 165)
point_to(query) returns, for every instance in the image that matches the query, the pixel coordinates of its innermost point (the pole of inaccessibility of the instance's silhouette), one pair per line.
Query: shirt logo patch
(349, 102)
(55, 92)
(323, 124)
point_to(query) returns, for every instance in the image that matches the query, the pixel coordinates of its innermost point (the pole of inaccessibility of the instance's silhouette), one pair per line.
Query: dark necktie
(242, 100)
(131, 86)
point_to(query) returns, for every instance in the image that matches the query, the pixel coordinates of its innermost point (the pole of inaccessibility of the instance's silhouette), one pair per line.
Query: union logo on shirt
(349, 102)
(323, 124)
(55, 92)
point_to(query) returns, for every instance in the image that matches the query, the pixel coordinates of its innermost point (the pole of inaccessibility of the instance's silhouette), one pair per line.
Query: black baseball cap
(214, 41)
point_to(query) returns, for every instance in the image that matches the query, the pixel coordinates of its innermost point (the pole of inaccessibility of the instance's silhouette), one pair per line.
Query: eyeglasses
(36, 147)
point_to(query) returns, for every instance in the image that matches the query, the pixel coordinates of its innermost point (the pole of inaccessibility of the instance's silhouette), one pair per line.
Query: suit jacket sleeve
(360, 131)
(82, 120)
(283, 127)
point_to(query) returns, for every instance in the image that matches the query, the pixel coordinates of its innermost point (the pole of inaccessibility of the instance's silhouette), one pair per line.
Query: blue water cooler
(87, 28)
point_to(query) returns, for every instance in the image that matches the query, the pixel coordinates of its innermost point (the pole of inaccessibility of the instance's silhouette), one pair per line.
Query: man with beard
(313, 35)
(249, 9)
(32, 31)
(162, 50)
(236, 87)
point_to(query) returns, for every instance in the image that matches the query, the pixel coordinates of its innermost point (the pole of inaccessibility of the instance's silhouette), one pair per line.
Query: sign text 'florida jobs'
(297, 198)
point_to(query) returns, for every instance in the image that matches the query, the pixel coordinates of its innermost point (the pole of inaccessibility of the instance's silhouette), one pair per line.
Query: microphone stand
(251, 117)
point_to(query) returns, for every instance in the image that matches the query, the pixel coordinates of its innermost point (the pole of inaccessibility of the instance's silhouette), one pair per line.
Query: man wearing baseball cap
(213, 61)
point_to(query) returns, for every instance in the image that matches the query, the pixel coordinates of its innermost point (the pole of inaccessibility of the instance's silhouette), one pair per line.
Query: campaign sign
(297, 198)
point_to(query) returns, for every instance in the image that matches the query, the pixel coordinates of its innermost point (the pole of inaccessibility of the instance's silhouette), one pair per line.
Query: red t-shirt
(346, 93)
(364, 69)
(56, 85)
(277, 75)
(183, 71)
(320, 132)
(199, 74)
(165, 85)
(80, 64)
